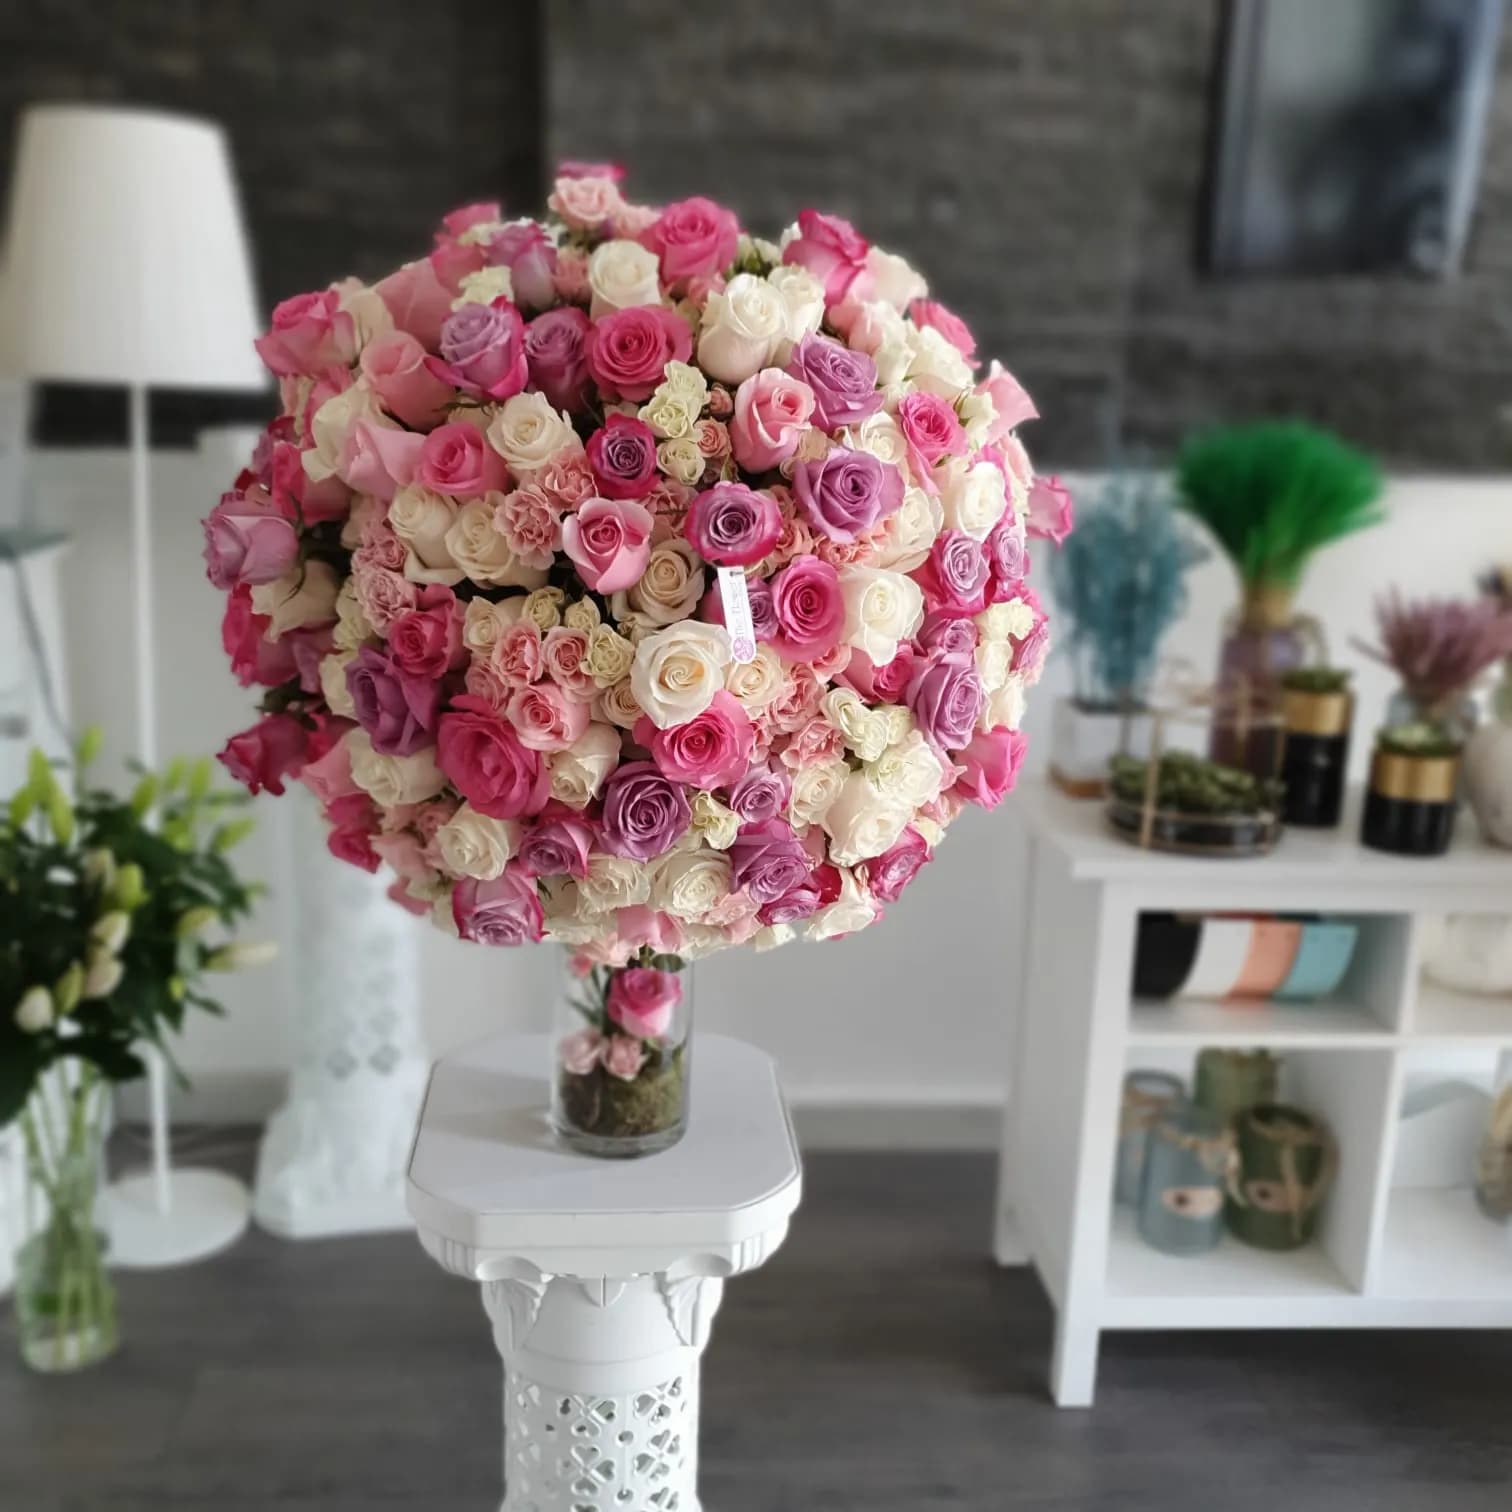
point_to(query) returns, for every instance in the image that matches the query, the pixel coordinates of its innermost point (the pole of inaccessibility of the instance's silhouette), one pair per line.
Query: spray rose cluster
(480, 565)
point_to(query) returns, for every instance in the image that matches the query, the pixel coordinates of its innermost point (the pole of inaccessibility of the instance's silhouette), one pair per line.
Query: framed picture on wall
(1349, 134)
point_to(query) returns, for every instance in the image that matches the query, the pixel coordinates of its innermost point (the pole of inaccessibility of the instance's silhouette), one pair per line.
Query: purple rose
(248, 539)
(946, 697)
(845, 493)
(802, 903)
(398, 711)
(1030, 654)
(948, 635)
(760, 795)
(557, 847)
(483, 350)
(960, 569)
(645, 813)
(768, 860)
(844, 382)
(763, 609)
(526, 250)
(1005, 549)
(504, 911)
(622, 454)
(732, 525)
(554, 352)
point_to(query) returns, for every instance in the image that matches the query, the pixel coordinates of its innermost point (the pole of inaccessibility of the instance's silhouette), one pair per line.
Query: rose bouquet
(625, 580)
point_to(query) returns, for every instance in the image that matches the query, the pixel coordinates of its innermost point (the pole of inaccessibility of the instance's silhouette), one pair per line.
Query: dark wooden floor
(879, 1363)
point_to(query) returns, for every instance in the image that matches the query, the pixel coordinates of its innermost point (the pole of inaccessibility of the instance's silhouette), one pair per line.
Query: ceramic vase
(1286, 1166)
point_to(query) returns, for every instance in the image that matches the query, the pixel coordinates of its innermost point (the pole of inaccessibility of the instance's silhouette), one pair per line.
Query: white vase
(1488, 780)
(1469, 952)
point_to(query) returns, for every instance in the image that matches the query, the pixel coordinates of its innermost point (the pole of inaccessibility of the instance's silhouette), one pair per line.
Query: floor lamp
(126, 263)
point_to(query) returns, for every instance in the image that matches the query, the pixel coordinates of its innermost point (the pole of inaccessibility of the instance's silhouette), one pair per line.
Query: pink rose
(554, 353)
(379, 459)
(930, 313)
(546, 717)
(609, 542)
(531, 257)
(809, 607)
(643, 1000)
(309, 332)
(529, 521)
(568, 479)
(353, 843)
(483, 350)
(581, 168)
(1051, 513)
(417, 300)
(884, 684)
(640, 925)
(456, 460)
(834, 252)
(628, 350)
(427, 641)
(486, 762)
(557, 845)
(505, 911)
(622, 453)
(990, 764)
(248, 539)
(404, 855)
(933, 432)
(516, 654)
(1009, 399)
(579, 1053)
(562, 656)
(297, 496)
(586, 202)
(455, 222)
(624, 1057)
(330, 776)
(694, 236)
(383, 594)
(732, 525)
(711, 750)
(394, 364)
(261, 757)
(772, 411)
(244, 637)
(888, 874)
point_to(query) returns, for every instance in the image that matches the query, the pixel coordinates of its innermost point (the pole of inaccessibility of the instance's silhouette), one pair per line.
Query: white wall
(912, 1012)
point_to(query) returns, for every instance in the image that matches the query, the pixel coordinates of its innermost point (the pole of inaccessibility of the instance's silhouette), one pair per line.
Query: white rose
(772, 937)
(895, 279)
(851, 911)
(609, 656)
(936, 366)
(527, 432)
(333, 683)
(994, 661)
(614, 882)
(332, 423)
(484, 286)
(757, 682)
(670, 587)
(1013, 619)
(882, 332)
(677, 671)
(882, 608)
(484, 622)
(352, 624)
(421, 519)
(814, 789)
(370, 314)
(677, 401)
(622, 275)
(482, 553)
(973, 498)
(741, 329)
(978, 414)
(900, 722)
(680, 458)
(475, 845)
(304, 595)
(909, 773)
(1004, 706)
(866, 731)
(909, 531)
(803, 296)
(879, 434)
(861, 822)
(34, 1012)
(689, 883)
(392, 780)
(713, 823)
(579, 772)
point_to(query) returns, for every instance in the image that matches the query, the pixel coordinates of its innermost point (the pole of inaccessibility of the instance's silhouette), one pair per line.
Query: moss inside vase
(606, 1105)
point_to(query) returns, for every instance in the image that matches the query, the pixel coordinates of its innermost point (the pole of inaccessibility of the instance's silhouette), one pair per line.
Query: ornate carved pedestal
(601, 1278)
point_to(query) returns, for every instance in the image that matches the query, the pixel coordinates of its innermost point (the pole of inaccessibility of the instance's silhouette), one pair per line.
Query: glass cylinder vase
(621, 1068)
(65, 1302)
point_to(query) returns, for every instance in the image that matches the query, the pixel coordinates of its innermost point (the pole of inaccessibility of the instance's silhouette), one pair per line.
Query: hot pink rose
(309, 332)
(394, 364)
(329, 777)
(505, 911)
(933, 432)
(628, 350)
(353, 843)
(884, 684)
(516, 654)
(546, 717)
(711, 750)
(456, 460)
(991, 763)
(888, 874)
(772, 411)
(624, 1057)
(427, 642)
(417, 300)
(248, 539)
(929, 312)
(554, 352)
(609, 542)
(1051, 513)
(693, 236)
(262, 756)
(594, 168)
(297, 496)
(486, 762)
(643, 1000)
(834, 252)
(483, 350)
(244, 636)
(809, 606)
(1009, 399)
(622, 453)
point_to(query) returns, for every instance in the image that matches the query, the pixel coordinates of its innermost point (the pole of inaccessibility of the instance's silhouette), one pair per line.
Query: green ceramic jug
(1287, 1160)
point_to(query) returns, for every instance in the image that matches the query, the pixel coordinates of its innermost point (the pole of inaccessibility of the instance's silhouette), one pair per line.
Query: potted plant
(1410, 799)
(103, 944)
(1120, 582)
(1183, 802)
(1273, 494)
(1317, 710)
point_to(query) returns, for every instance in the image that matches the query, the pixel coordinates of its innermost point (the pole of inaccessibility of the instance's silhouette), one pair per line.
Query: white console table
(601, 1277)
(1383, 1258)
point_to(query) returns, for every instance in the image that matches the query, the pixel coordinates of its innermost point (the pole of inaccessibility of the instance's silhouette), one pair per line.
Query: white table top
(487, 1173)
(1079, 829)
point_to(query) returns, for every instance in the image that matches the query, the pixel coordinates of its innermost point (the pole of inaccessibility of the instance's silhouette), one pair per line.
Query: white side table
(601, 1278)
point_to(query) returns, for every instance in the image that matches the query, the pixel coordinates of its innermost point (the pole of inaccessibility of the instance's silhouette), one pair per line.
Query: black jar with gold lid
(1317, 709)
(1410, 803)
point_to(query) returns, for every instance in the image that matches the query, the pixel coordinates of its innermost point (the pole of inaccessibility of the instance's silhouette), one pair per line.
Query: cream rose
(421, 519)
(352, 624)
(527, 432)
(677, 402)
(882, 608)
(582, 615)
(614, 882)
(578, 773)
(370, 314)
(1004, 706)
(333, 683)
(392, 780)
(973, 498)
(482, 553)
(609, 655)
(713, 823)
(909, 532)
(994, 661)
(879, 434)
(882, 331)
(1011, 620)
(862, 822)
(474, 845)
(621, 275)
(680, 458)
(332, 423)
(757, 682)
(851, 911)
(485, 286)
(670, 587)
(690, 883)
(936, 365)
(618, 705)
(483, 623)
(677, 671)
(815, 789)
(866, 730)
(543, 608)
(304, 595)
(909, 773)
(741, 328)
(803, 296)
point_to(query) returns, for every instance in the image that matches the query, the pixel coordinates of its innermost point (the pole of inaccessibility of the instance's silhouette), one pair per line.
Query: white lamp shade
(126, 259)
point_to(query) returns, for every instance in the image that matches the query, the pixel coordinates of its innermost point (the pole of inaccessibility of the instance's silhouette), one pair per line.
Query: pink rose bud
(642, 1000)
(609, 542)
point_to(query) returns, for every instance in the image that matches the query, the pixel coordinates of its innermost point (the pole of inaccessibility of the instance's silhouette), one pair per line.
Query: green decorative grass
(1317, 680)
(1421, 739)
(1273, 493)
(1188, 784)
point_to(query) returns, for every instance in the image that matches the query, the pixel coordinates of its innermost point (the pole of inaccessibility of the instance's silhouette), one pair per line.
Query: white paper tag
(737, 613)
